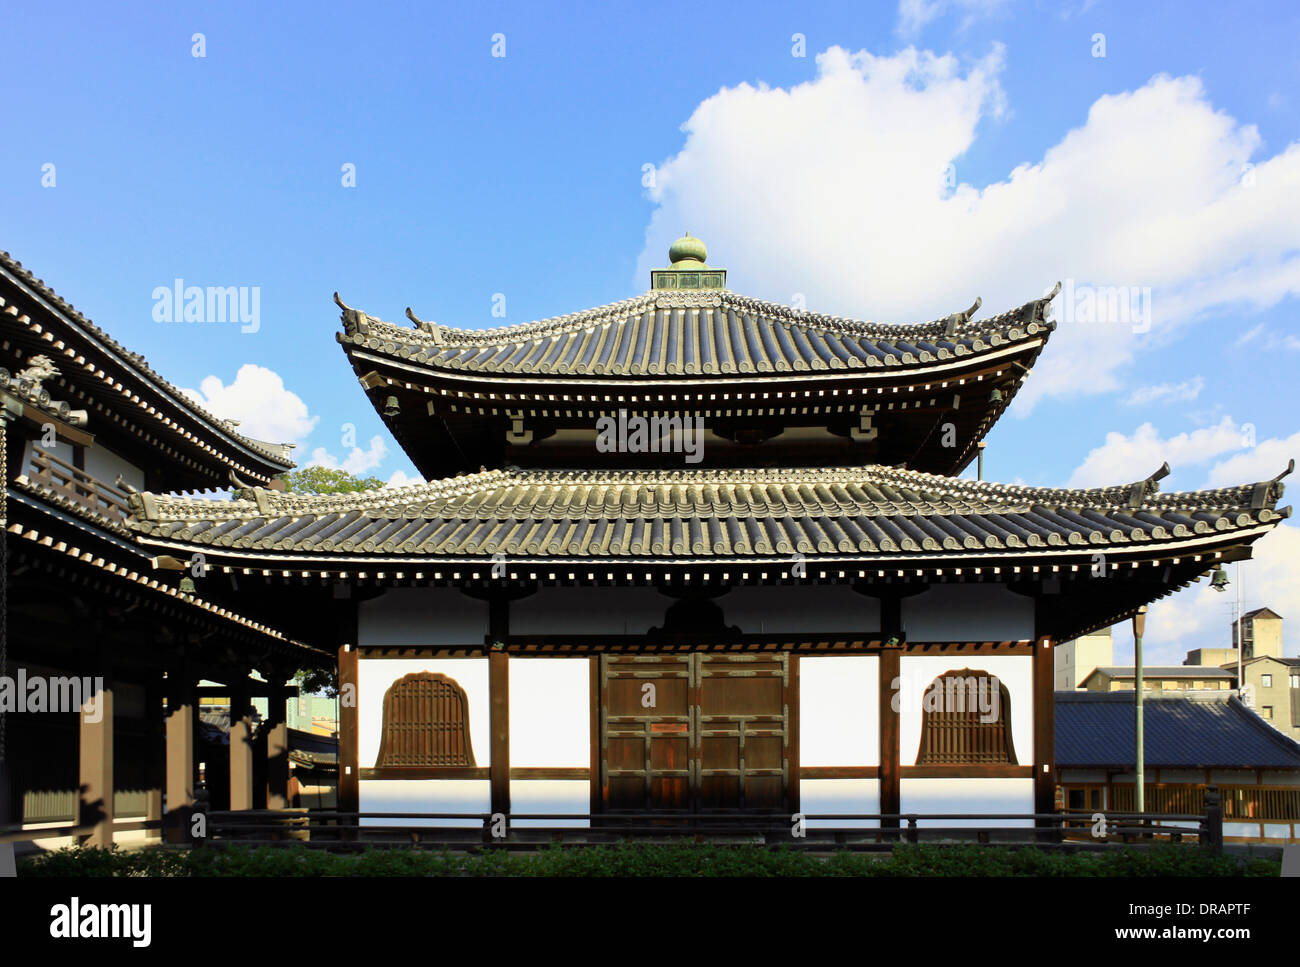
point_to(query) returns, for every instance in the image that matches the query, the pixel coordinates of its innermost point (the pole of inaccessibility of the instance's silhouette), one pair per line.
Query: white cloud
(1262, 462)
(915, 14)
(1167, 392)
(357, 461)
(401, 479)
(258, 399)
(1123, 458)
(834, 189)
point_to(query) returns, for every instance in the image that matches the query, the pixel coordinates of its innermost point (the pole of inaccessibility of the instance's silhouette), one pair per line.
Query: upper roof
(675, 516)
(1201, 730)
(674, 334)
(128, 391)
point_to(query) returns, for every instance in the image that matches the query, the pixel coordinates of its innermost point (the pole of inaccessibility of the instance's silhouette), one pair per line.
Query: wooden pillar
(594, 697)
(241, 747)
(349, 755)
(181, 704)
(96, 758)
(1044, 726)
(157, 750)
(890, 782)
(499, 702)
(277, 745)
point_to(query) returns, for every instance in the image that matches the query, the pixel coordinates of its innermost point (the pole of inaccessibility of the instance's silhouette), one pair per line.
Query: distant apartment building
(1160, 678)
(1261, 634)
(1080, 657)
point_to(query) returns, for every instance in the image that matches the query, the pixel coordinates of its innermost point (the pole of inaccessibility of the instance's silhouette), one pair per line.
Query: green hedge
(639, 859)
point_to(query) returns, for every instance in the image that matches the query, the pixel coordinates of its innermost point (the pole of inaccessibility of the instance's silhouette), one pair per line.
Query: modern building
(698, 552)
(1192, 739)
(1221, 657)
(1080, 657)
(1261, 633)
(1160, 678)
(1273, 689)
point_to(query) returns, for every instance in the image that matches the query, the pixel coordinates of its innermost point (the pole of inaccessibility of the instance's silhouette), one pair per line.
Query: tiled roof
(682, 514)
(1188, 730)
(694, 334)
(275, 453)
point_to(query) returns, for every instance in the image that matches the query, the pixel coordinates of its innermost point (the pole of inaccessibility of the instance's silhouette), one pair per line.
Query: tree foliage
(324, 480)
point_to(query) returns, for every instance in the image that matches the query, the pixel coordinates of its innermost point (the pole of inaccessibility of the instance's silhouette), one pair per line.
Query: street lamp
(1139, 626)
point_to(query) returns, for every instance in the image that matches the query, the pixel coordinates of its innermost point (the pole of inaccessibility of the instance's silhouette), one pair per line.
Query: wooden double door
(696, 733)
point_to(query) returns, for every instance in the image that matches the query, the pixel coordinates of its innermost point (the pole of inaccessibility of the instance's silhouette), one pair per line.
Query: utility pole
(1240, 653)
(1139, 626)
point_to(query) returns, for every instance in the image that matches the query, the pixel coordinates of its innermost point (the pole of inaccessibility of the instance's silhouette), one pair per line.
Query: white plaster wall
(422, 616)
(968, 796)
(549, 796)
(799, 609)
(839, 796)
(968, 612)
(374, 675)
(916, 672)
(426, 796)
(839, 711)
(588, 611)
(550, 713)
(106, 465)
(31, 448)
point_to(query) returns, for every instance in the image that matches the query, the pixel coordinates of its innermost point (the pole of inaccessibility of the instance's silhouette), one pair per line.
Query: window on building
(1266, 681)
(1295, 680)
(965, 719)
(426, 723)
(1268, 712)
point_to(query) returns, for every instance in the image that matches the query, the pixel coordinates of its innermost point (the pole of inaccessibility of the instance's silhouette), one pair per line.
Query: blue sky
(1169, 164)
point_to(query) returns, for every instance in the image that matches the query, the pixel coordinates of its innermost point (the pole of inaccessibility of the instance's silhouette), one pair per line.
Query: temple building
(105, 641)
(694, 552)
(688, 553)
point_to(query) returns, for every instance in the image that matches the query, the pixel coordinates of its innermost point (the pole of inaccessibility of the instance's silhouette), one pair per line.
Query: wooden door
(696, 733)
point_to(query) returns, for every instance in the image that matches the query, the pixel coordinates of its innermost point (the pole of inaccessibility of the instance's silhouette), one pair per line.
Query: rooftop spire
(688, 269)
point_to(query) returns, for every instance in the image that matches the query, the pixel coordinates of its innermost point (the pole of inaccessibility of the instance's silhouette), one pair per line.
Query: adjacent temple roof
(865, 513)
(1192, 730)
(122, 393)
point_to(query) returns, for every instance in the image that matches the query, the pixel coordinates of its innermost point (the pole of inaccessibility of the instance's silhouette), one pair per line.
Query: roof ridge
(963, 323)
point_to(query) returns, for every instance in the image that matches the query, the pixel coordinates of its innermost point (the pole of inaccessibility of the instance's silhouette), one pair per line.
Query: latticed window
(965, 720)
(426, 723)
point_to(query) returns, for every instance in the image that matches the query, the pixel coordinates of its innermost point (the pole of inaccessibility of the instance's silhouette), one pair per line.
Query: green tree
(323, 480)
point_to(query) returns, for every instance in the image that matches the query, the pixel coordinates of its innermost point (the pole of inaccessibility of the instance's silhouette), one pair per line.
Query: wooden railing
(77, 485)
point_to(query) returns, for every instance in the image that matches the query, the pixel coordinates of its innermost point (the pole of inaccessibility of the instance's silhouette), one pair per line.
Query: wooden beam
(1044, 725)
(241, 749)
(891, 619)
(181, 706)
(349, 795)
(277, 747)
(95, 806)
(499, 703)
(593, 699)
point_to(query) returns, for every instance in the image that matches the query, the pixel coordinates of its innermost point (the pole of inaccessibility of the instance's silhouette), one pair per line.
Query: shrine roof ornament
(862, 513)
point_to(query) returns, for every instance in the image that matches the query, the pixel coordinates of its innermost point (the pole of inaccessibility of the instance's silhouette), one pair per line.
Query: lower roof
(864, 513)
(1190, 730)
